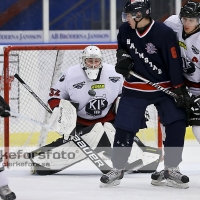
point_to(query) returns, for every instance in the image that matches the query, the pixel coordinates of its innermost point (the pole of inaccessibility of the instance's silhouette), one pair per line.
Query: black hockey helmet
(190, 10)
(138, 9)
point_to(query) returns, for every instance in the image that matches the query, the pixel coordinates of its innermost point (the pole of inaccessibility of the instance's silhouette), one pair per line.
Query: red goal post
(40, 66)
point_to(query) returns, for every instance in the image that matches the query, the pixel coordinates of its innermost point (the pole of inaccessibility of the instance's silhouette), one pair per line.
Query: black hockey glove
(195, 109)
(184, 101)
(189, 68)
(4, 106)
(124, 63)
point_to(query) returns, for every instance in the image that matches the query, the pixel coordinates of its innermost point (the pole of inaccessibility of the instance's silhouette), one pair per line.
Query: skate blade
(171, 183)
(114, 183)
(158, 183)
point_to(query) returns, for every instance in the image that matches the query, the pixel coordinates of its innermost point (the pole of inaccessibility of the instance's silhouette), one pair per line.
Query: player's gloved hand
(189, 68)
(184, 101)
(195, 109)
(124, 63)
(3, 107)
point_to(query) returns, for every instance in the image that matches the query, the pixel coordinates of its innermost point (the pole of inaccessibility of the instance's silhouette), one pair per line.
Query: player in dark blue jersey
(150, 49)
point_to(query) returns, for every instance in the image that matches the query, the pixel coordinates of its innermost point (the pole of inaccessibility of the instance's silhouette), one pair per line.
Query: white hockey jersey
(74, 85)
(190, 52)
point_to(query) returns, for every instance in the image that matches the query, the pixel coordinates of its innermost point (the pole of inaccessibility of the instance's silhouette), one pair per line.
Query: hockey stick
(146, 168)
(159, 87)
(14, 114)
(151, 167)
(85, 148)
(33, 93)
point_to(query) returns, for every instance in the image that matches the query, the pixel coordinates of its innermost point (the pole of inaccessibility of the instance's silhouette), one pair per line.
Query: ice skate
(158, 178)
(175, 179)
(112, 178)
(6, 193)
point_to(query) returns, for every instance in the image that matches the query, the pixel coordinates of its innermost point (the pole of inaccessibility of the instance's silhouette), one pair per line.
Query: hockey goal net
(40, 67)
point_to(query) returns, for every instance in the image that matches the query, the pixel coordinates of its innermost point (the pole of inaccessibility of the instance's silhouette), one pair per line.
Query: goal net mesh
(40, 67)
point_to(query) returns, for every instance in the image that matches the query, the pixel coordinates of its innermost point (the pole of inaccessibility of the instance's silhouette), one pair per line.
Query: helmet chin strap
(136, 22)
(142, 29)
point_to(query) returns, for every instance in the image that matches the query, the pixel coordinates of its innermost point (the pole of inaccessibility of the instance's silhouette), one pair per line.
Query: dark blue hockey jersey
(156, 57)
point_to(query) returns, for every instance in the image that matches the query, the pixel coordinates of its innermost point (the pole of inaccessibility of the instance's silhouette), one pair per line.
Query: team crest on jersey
(79, 85)
(151, 49)
(62, 78)
(96, 105)
(114, 79)
(195, 50)
(146, 59)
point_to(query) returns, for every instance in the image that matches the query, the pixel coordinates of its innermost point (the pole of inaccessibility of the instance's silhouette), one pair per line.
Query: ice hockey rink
(81, 181)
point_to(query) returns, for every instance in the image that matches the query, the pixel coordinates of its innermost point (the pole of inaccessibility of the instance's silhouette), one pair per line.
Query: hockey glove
(196, 107)
(184, 100)
(124, 63)
(63, 119)
(4, 106)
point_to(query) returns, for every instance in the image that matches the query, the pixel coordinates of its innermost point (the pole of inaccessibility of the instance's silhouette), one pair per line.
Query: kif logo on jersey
(151, 49)
(96, 105)
(114, 79)
(79, 85)
(195, 50)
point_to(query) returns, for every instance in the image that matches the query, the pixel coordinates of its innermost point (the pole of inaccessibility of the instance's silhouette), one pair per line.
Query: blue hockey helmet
(137, 8)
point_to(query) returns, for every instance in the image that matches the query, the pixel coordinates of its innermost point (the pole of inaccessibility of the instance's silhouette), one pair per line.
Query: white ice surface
(81, 181)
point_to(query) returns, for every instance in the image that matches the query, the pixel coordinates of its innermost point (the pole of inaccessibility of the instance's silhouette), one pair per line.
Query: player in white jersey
(5, 192)
(187, 27)
(94, 86)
